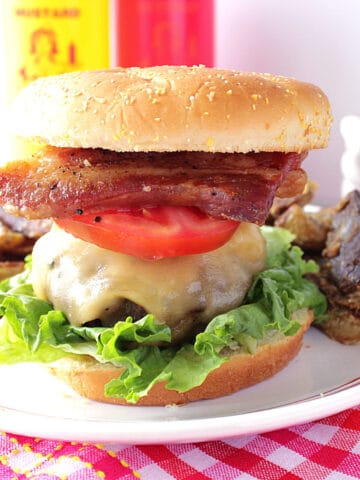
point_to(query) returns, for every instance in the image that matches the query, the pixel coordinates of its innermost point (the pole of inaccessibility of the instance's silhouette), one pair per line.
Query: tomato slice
(151, 233)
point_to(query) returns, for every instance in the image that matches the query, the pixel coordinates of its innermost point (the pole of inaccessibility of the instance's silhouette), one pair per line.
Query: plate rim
(180, 430)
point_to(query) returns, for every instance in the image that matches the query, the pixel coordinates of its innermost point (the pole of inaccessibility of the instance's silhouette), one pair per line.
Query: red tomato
(151, 233)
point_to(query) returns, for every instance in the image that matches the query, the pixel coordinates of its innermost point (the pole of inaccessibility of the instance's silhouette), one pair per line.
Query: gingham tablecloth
(326, 449)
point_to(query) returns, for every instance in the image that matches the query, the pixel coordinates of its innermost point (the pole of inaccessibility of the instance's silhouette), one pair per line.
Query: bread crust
(174, 109)
(89, 377)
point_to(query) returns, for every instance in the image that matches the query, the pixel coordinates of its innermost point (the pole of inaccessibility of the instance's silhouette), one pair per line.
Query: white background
(314, 40)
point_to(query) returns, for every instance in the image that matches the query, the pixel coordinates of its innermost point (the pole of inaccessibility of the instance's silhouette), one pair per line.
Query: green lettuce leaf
(31, 330)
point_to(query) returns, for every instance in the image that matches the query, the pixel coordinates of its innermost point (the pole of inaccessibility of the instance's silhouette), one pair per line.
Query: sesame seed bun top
(173, 109)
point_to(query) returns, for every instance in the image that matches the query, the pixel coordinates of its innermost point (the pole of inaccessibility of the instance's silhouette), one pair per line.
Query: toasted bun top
(172, 109)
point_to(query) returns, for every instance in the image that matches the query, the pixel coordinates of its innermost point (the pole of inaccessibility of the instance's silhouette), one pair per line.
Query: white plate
(322, 380)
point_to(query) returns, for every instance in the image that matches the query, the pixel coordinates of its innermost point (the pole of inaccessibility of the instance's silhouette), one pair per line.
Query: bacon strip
(59, 182)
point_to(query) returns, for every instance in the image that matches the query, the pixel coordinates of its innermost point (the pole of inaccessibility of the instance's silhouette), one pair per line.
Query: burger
(157, 283)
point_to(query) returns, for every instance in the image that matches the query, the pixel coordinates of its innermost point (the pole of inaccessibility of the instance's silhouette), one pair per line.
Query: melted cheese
(86, 282)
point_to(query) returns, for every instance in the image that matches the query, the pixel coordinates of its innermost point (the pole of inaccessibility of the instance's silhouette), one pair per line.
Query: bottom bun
(243, 369)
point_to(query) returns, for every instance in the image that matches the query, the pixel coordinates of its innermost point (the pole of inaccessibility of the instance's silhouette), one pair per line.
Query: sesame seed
(210, 142)
(87, 163)
(129, 100)
(100, 99)
(160, 90)
(281, 137)
(211, 96)
(229, 92)
(255, 97)
(157, 119)
(290, 92)
(253, 106)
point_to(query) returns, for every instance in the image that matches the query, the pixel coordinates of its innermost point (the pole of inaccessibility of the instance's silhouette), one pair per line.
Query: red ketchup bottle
(163, 32)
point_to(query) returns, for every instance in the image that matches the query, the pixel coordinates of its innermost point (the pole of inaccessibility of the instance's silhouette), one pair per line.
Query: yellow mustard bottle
(49, 37)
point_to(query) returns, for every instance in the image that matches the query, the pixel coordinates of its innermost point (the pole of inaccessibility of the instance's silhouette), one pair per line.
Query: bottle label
(45, 37)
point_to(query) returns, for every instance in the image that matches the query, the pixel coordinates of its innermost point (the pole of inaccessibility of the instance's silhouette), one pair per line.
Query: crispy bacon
(59, 182)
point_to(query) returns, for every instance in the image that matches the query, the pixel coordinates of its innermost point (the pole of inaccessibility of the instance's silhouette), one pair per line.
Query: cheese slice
(87, 282)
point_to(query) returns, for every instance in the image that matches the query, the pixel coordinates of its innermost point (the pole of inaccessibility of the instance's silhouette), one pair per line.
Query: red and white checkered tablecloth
(327, 449)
